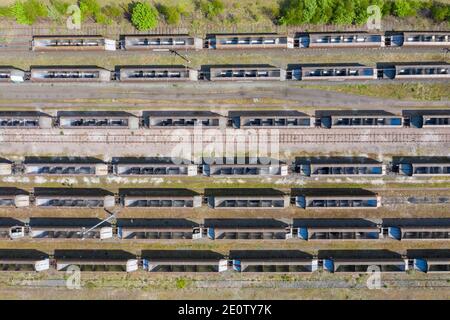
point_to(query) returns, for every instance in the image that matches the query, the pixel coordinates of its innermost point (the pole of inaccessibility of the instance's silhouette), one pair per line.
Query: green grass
(402, 91)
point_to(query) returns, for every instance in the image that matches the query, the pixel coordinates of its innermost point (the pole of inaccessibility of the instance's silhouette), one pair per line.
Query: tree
(144, 16)
(324, 12)
(296, 12)
(344, 12)
(309, 9)
(361, 14)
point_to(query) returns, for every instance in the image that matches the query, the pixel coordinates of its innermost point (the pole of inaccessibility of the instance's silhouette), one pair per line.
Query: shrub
(28, 12)
(89, 9)
(272, 12)
(440, 12)
(144, 16)
(59, 6)
(57, 9)
(171, 14)
(211, 8)
(102, 18)
(404, 8)
(114, 12)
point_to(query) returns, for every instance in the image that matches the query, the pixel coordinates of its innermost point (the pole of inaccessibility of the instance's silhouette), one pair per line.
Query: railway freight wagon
(324, 198)
(68, 43)
(319, 229)
(170, 119)
(358, 119)
(160, 198)
(157, 73)
(156, 166)
(247, 199)
(11, 75)
(339, 166)
(250, 41)
(238, 72)
(97, 119)
(25, 120)
(69, 228)
(194, 261)
(340, 40)
(334, 72)
(280, 119)
(246, 72)
(243, 168)
(64, 166)
(243, 41)
(162, 42)
(425, 39)
(14, 197)
(69, 74)
(52, 198)
(422, 71)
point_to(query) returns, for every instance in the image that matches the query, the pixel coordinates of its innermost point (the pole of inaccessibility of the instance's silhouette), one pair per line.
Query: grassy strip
(402, 91)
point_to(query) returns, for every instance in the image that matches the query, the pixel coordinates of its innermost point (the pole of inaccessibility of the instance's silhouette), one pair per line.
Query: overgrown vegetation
(346, 12)
(172, 14)
(144, 16)
(211, 8)
(27, 12)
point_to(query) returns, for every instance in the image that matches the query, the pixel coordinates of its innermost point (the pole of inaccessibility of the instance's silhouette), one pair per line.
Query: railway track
(282, 138)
